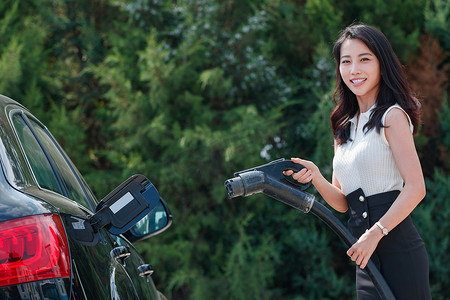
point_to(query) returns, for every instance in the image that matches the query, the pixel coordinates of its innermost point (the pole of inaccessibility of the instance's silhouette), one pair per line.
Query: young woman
(376, 169)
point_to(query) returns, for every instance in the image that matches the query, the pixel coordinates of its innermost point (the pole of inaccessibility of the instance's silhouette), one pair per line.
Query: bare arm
(401, 143)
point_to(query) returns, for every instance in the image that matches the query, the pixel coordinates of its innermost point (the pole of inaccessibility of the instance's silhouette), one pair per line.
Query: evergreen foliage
(189, 92)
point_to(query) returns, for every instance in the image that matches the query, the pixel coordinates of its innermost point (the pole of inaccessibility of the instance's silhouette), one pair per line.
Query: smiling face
(360, 70)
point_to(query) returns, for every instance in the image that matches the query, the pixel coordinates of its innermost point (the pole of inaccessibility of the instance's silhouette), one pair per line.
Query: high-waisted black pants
(400, 256)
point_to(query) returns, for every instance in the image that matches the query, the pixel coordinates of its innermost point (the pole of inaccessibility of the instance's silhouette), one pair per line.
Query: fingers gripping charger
(269, 180)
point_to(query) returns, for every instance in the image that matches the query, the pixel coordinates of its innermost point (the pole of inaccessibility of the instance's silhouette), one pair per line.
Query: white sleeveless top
(366, 160)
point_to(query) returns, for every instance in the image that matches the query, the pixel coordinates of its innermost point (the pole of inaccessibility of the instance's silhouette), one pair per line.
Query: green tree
(22, 55)
(185, 124)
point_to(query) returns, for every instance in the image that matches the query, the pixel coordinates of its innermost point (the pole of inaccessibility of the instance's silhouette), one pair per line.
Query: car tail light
(33, 248)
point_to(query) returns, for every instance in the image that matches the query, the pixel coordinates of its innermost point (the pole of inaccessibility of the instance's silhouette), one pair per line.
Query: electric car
(57, 241)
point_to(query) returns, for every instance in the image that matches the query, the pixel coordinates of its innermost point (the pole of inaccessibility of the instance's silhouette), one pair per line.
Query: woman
(376, 169)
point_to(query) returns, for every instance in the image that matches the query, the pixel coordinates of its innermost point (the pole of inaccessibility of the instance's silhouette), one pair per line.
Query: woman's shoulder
(396, 105)
(394, 114)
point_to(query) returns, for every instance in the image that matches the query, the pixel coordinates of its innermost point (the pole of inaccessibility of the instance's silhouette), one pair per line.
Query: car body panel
(15, 204)
(95, 274)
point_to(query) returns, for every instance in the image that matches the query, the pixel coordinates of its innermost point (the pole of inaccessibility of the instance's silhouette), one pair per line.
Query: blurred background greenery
(187, 92)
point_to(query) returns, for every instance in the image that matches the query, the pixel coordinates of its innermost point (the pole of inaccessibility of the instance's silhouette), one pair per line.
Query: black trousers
(400, 256)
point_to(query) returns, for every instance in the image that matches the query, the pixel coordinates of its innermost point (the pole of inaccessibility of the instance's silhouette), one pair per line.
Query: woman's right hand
(331, 193)
(306, 174)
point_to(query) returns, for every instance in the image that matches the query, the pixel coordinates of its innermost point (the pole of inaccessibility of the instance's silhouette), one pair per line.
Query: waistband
(357, 197)
(366, 210)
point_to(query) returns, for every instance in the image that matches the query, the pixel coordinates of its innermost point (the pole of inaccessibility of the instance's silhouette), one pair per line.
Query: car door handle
(120, 254)
(145, 270)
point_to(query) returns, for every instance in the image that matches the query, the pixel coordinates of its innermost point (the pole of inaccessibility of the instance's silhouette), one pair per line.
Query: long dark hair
(394, 87)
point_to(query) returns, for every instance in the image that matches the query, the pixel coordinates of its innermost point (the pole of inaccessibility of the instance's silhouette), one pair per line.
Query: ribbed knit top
(366, 160)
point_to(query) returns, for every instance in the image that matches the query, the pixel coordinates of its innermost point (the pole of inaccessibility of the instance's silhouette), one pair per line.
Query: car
(57, 241)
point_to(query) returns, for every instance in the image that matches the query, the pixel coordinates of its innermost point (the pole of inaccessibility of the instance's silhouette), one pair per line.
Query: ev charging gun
(270, 180)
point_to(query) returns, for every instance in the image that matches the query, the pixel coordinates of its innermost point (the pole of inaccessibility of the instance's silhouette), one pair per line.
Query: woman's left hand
(361, 251)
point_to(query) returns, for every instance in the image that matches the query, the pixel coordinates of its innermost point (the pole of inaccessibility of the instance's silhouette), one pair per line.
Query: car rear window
(36, 157)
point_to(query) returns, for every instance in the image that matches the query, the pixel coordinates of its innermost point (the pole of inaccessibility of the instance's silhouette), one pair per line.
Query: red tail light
(33, 248)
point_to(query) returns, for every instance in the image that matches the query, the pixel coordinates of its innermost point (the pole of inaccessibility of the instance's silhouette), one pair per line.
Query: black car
(56, 240)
